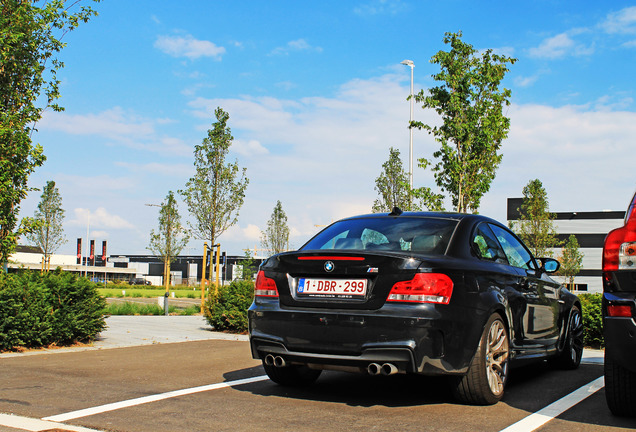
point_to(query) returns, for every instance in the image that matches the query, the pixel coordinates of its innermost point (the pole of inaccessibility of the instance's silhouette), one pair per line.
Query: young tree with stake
(535, 226)
(215, 194)
(276, 236)
(470, 103)
(48, 232)
(170, 238)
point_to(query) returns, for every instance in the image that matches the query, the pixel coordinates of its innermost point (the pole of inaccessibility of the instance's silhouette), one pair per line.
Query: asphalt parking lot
(173, 373)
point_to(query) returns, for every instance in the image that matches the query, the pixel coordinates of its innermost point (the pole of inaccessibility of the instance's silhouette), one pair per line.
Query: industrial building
(184, 270)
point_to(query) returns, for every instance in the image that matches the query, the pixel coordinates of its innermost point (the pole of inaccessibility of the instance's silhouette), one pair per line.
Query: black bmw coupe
(413, 293)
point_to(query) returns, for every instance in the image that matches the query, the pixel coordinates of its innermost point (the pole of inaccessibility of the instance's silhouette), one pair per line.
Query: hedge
(51, 308)
(227, 310)
(592, 320)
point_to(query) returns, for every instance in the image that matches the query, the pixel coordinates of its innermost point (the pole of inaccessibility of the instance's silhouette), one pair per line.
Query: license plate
(341, 288)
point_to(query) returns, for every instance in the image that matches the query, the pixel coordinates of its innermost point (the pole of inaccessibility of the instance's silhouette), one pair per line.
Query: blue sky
(316, 96)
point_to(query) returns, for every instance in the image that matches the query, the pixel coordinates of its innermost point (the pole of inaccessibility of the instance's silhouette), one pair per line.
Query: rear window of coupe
(413, 234)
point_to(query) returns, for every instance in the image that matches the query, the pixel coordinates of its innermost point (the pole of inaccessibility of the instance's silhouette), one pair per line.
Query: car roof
(424, 214)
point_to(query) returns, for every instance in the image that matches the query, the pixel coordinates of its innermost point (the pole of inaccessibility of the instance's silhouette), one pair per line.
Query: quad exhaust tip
(389, 369)
(277, 361)
(374, 369)
(385, 369)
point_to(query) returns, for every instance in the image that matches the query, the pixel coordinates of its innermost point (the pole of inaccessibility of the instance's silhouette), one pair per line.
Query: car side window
(516, 252)
(486, 245)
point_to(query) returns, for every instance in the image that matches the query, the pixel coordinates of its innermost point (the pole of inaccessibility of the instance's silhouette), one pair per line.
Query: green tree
(171, 237)
(215, 194)
(536, 224)
(248, 266)
(48, 233)
(571, 260)
(275, 238)
(470, 103)
(31, 38)
(393, 187)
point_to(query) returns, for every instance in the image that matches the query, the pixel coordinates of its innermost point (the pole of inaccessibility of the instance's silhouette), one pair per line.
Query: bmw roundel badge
(329, 266)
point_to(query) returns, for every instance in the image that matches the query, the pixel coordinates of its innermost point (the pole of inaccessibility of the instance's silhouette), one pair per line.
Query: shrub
(52, 308)
(227, 311)
(592, 319)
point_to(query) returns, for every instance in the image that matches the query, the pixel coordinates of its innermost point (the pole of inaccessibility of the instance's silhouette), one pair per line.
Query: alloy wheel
(497, 351)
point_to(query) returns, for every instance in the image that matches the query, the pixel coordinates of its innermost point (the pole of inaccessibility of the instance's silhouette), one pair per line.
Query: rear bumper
(426, 342)
(620, 332)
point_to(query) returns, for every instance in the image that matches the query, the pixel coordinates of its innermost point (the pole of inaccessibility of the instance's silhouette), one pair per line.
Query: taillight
(265, 287)
(619, 311)
(423, 288)
(619, 250)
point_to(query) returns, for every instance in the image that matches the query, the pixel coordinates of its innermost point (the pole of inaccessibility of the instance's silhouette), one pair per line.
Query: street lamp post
(410, 64)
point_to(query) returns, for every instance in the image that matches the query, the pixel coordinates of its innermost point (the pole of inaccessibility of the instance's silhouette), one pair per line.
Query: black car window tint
(331, 242)
(486, 245)
(371, 239)
(517, 254)
(431, 235)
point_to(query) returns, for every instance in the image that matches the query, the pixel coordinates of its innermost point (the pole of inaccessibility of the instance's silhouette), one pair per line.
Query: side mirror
(549, 265)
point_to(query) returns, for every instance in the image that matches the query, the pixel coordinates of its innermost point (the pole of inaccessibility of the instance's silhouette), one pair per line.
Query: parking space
(215, 385)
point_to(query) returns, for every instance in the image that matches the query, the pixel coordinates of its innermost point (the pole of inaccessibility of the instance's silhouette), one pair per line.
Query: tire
(570, 357)
(291, 376)
(620, 389)
(488, 372)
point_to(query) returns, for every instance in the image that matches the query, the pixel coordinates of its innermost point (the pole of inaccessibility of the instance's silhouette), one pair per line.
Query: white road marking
(147, 399)
(36, 425)
(541, 417)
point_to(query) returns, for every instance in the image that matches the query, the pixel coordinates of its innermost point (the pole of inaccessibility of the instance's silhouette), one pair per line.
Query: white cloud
(562, 45)
(297, 45)
(119, 126)
(380, 7)
(115, 122)
(621, 22)
(164, 169)
(100, 218)
(250, 148)
(188, 46)
(582, 156)
(554, 47)
(521, 81)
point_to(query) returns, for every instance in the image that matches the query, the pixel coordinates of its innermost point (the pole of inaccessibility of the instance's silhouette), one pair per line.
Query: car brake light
(619, 311)
(423, 288)
(619, 251)
(265, 287)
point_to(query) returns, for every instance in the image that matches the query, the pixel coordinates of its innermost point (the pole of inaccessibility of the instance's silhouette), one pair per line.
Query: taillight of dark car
(619, 311)
(423, 288)
(619, 250)
(265, 287)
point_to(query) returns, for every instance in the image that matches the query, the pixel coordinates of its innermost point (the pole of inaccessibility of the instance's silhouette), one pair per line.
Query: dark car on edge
(415, 293)
(619, 315)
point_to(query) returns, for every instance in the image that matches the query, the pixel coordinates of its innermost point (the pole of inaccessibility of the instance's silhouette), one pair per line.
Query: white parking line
(538, 419)
(147, 399)
(35, 425)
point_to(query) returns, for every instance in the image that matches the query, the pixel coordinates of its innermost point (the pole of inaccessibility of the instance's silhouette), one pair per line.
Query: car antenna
(396, 211)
